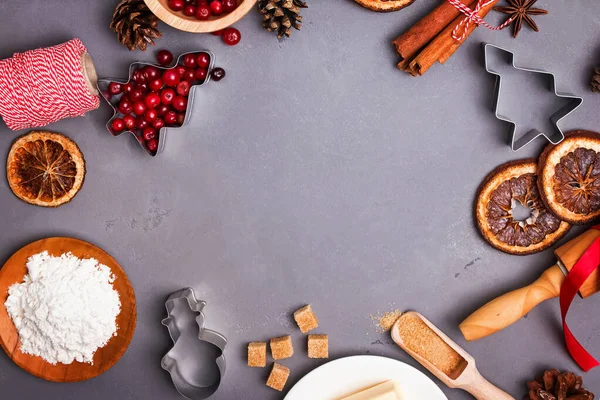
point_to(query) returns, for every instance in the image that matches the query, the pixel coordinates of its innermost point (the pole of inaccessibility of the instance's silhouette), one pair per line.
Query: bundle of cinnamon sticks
(430, 39)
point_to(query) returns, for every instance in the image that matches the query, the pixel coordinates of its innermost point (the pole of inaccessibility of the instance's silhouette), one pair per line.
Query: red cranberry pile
(156, 97)
(203, 9)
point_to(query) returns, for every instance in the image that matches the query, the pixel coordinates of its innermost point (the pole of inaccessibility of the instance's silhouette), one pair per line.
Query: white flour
(65, 309)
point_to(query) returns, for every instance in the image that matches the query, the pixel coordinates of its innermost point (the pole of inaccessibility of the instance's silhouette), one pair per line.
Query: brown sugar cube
(278, 376)
(257, 354)
(318, 346)
(281, 347)
(305, 318)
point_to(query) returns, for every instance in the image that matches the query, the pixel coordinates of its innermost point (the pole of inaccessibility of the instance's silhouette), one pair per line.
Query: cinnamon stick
(444, 45)
(421, 33)
(456, 44)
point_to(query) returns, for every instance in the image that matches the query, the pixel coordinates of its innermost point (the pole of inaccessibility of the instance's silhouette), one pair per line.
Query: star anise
(519, 11)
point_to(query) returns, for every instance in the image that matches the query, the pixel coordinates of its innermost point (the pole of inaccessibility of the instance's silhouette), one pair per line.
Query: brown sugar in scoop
(442, 357)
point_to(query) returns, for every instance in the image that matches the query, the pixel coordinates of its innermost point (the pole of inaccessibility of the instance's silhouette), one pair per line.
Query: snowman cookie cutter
(169, 362)
(573, 103)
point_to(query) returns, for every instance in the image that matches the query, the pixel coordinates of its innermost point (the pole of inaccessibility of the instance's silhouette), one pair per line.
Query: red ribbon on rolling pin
(583, 268)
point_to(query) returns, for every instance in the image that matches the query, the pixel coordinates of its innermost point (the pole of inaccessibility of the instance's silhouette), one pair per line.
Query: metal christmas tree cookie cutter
(170, 364)
(113, 101)
(573, 103)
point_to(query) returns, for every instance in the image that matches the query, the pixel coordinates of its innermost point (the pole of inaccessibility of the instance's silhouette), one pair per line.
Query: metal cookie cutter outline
(518, 144)
(162, 135)
(169, 364)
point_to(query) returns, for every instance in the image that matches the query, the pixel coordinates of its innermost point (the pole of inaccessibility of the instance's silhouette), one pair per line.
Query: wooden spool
(13, 272)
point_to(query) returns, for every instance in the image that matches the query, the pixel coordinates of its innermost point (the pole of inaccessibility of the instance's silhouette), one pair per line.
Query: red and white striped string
(472, 16)
(42, 86)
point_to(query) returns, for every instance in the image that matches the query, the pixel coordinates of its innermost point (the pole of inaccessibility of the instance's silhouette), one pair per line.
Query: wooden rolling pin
(509, 308)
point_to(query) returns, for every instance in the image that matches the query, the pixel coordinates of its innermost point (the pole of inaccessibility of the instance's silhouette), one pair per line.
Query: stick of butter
(387, 390)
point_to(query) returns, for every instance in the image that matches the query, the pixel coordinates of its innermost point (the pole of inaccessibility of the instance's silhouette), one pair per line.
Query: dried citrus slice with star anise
(508, 187)
(384, 5)
(570, 177)
(45, 168)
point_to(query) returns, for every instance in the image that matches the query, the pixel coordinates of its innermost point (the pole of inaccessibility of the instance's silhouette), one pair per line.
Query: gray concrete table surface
(315, 172)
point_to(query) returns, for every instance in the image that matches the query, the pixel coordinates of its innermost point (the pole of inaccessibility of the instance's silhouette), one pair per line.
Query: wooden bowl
(13, 272)
(190, 24)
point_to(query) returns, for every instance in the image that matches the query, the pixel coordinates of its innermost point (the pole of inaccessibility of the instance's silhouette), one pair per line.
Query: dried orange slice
(44, 168)
(570, 177)
(509, 184)
(385, 5)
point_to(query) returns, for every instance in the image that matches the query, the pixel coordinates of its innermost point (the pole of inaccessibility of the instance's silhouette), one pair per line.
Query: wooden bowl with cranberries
(200, 16)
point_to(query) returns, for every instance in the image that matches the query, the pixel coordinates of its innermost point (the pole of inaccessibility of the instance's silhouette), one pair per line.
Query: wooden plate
(13, 272)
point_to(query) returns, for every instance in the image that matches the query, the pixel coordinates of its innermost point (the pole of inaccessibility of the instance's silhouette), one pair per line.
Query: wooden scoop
(509, 308)
(442, 357)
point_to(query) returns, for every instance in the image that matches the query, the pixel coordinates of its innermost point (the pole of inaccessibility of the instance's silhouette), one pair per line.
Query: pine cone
(596, 80)
(554, 385)
(135, 24)
(281, 15)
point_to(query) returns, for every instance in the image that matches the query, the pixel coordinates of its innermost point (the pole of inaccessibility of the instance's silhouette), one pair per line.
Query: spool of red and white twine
(45, 85)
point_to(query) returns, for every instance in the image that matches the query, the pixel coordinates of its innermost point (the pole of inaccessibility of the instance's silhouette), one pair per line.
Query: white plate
(345, 376)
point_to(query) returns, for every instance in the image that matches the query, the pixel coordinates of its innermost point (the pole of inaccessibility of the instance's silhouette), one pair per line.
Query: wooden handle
(509, 308)
(482, 389)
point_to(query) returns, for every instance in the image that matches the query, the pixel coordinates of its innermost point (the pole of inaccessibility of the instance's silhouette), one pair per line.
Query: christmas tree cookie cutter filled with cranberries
(157, 97)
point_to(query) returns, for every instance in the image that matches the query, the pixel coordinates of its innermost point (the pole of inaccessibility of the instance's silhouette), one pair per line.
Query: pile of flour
(65, 308)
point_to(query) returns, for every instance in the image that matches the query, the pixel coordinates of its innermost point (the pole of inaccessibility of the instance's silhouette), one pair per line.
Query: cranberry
(152, 145)
(201, 74)
(151, 73)
(217, 33)
(229, 5)
(150, 115)
(190, 61)
(180, 118)
(180, 103)
(216, 7)
(192, 2)
(125, 106)
(129, 122)
(158, 123)
(180, 70)
(171, 77)
(183, 88)
(189, 75)
(176, 5)
(189, 10)
(156, 85)
(138, 76)
(128, 87)
(136, 94)
(164, 57)
(152, 100)
(141, 123)
(163, 109)
(149, 134)
(143, 86)
(114, 88)
(203, 12)
(166, 96)
(203, 60)
(118, 125)
(170, 118)
(139, 108)
(231, 36)
(217, 74)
